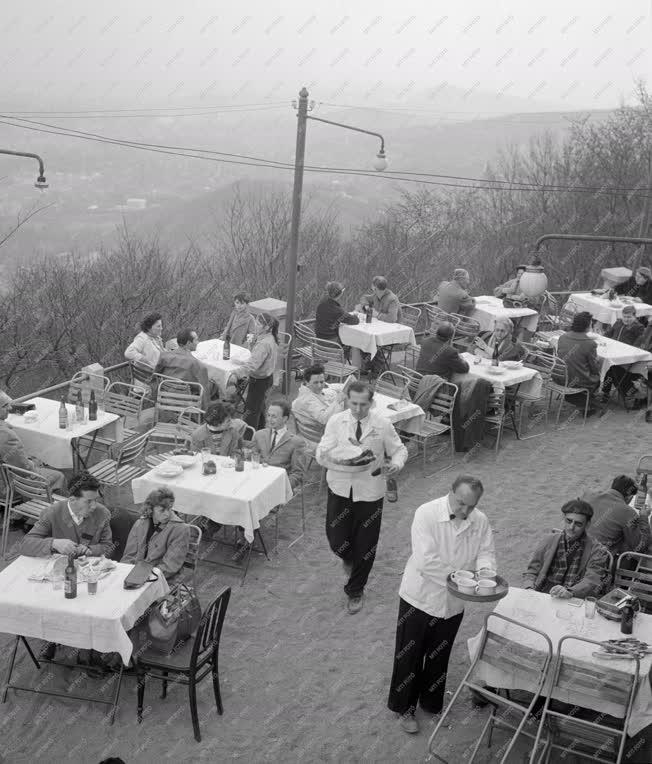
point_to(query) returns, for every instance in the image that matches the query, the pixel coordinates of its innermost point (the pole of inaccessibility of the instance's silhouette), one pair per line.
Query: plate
(495, 370)
(346, 451)
(512, 364)
(169, 469)
(502, 587)
(185, 460)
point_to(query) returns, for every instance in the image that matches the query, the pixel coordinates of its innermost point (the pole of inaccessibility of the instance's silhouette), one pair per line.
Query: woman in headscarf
(501, 338)
(159, 536)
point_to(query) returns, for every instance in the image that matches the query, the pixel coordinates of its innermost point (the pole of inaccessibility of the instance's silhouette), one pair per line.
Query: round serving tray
(502, 587)
(353, 468)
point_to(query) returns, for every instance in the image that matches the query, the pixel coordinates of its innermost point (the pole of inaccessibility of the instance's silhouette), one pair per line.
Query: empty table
(488, 309)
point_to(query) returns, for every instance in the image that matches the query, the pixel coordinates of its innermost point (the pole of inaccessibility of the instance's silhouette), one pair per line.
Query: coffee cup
(463, 575)
(487, 573)
(466, 585)
(485, 586)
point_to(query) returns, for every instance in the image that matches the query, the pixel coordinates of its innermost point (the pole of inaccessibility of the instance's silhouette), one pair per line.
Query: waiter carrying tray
(355, 499)
(448, 534)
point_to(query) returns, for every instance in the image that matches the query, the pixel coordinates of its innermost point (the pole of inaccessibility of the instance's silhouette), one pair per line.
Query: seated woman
(511, 288)
(147, 345)
(159, 536)
(501, 340)
(220, 433)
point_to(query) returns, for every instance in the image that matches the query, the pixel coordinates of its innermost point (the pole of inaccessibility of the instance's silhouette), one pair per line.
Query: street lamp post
(380, 164)
(40, 180)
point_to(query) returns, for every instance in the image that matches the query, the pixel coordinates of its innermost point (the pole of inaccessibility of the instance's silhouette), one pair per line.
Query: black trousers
(423, 647)
(255, 403)
(352, 529)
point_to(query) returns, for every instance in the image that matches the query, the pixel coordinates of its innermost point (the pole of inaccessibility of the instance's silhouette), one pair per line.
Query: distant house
(136, 204)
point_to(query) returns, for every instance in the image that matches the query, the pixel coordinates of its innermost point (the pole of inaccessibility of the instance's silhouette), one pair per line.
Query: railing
(46, 391)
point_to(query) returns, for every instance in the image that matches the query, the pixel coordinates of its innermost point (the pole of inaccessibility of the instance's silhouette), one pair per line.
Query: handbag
(172, 619)
(139, 575)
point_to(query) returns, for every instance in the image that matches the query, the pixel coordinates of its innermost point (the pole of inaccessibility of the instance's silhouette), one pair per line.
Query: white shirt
(279, 434)
(378, 435)
(439, 547)
(75, 518)
(319, 408)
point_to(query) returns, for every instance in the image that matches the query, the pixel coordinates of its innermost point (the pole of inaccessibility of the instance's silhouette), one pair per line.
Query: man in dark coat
(438, 356)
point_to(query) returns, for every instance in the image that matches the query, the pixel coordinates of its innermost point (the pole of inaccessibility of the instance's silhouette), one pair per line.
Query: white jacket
(144, 349)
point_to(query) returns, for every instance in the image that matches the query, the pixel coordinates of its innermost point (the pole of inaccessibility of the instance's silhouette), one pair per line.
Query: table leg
(11, 669)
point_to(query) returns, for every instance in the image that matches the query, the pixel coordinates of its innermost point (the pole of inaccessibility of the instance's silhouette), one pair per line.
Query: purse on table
(139, 575)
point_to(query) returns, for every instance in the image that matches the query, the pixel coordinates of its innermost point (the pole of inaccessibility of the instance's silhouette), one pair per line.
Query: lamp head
(41, 182)
(380, 163)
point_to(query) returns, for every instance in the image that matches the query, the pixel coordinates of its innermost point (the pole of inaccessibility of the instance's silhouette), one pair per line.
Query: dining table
(557, 618)
(506, 374)
(62, 448)
(603, 309)
(488, 309)
(404, 414)
(611, 353)
(211, 353)
(370, 337)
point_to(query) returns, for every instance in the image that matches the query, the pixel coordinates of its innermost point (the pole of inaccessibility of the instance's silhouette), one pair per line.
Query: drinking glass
(247, 454)
(205, 455)
(57, 583)
(255, 459)
(91, 581)
(589, 607)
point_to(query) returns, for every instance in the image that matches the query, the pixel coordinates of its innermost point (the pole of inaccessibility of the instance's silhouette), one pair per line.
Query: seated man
(159, 536)
(12, 451)
(220, 432)
(512, 287)
(617, 526)
(570, 563)
(78, 525)
(279, 447)
(311, 405)
(330, 314)
(580, 353)
(629, 330)
(182, 364)
(385, 304)
(453, 296)
(438, 356)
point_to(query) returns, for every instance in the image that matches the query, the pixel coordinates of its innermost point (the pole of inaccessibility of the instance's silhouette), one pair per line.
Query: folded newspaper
(50, 568)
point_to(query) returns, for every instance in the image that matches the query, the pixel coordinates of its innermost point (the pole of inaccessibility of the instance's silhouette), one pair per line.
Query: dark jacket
(453, 298)
(328, 317)
(580, 353)
(440, 358)
(55, 522)
(630, 335)
(593, 566)
(231, 439)
(632, 289)
(183, 365)
(509, 350)
(616, 525)
(167, 549)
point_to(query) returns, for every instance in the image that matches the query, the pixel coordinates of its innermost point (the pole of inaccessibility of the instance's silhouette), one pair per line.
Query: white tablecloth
(210, 353)
(604, 311)
(530, 381)
(368, 337)
(614, 353)
(89, 622)
(411, 417)
(228, 497)
(44, 440)
(488, 309)
(557, 618)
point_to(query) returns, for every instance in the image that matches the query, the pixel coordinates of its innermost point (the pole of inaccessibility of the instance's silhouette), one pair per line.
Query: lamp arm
(350, 127)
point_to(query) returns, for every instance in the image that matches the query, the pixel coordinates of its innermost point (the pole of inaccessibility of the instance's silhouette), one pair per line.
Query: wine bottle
(63, 415)
(370, 312)
(641, 494)
(494, 360)
(226, 350)
(391, 490)
(627, 619)
(92, 407)
(239, 461)
(70, 579)
(79, 408)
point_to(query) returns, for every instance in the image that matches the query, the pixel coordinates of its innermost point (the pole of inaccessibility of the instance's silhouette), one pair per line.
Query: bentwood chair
(190, 663)
(576, 731)
(28, 494)
(498, 652)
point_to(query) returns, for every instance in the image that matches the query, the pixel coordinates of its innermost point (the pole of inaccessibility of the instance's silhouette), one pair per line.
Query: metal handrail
(62, 385)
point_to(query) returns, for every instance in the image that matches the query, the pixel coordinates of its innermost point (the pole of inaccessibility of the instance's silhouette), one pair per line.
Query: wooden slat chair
(437, 316)
(413, 378)
(28, 494)
(304, 334)
(496, 413)
(393, 384)
(466, 330)
(442, 406)
(98, 382)
(142, 378)
(636, 577)
(583, 684)
(410, 316)
(558, 384)
(188, 421)
(331, 355)
(174, 397)
(125, 462)
(543, 363)
(495, 651)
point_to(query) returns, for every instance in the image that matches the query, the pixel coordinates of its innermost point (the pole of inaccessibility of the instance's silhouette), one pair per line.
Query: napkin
(51, 567)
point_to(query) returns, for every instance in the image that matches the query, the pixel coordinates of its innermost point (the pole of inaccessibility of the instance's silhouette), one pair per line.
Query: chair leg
(303, 513)
(11, 669)
(164, 687)
(276, 514)
(141, 697)
(216, 686)
(488, 723)
(192, 697)
(5, 528)
(116, 696)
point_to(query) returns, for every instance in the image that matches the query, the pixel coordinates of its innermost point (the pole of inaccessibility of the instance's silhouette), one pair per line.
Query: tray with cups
(483, 585)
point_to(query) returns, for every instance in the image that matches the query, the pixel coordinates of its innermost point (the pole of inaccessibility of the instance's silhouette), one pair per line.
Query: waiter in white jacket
(355, 500)
(448, 534)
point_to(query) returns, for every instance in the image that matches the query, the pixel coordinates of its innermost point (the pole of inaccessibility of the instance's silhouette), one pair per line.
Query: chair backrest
(209, 631)
(496, 401)
(124, 400)
(189, 420)
(444, 399)
(176, 395)
(566, 315)
(132, 450)
(97, 382)
(542, 362)
(437, 316)
(248, 433)
(308, 429)
(393, 384)
(584, 684)
(284, 342)
(141, 373)
(27, 484)
(634, 574)
(303, 332)
(644, 465)
(190, 563)
(559, 372)
(413, 378)
(327, 351)
(411, 315)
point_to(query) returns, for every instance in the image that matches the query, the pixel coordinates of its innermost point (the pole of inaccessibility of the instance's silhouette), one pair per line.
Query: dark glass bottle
(79, 408)
(369, 311)
(391, 490)
(63, 414)
(92, 408)
(627, 619)
(494, 360)
(641, 494)
(70, 579)
(226, 350)
(239, 461)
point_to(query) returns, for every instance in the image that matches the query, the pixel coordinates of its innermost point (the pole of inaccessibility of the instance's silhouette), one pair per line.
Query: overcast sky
(130, 53)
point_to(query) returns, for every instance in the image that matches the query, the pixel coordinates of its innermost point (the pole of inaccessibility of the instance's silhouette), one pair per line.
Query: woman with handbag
(159, 536)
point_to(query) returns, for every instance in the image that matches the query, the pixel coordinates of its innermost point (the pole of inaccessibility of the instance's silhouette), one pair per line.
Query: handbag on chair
(172, 619)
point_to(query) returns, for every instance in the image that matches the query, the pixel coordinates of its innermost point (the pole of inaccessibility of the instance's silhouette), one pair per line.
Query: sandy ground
(302, 681)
